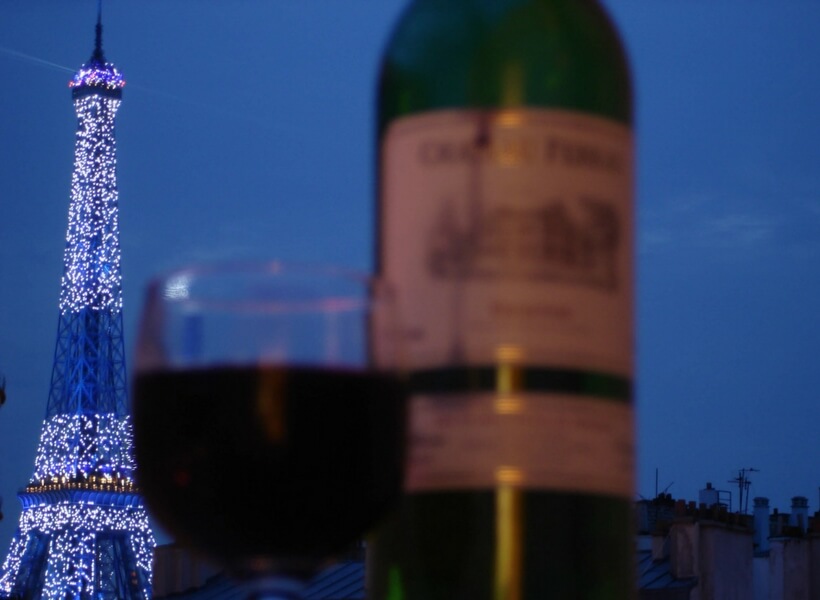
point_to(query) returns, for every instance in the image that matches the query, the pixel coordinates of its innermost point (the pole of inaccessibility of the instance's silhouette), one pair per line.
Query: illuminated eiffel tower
(83, 531)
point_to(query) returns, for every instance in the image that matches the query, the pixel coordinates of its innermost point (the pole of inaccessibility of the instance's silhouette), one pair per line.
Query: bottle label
(511, 229)
(533, 441)
(507, 235)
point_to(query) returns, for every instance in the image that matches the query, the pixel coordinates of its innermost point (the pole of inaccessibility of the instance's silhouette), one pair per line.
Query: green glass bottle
(505, 222)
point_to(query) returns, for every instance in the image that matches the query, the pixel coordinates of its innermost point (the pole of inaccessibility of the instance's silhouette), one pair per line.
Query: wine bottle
(505, 223)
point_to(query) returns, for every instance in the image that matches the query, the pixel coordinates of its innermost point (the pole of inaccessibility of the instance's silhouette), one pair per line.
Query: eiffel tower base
(75, 542)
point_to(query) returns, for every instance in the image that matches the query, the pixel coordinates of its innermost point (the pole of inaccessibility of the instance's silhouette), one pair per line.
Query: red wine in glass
(268, 417)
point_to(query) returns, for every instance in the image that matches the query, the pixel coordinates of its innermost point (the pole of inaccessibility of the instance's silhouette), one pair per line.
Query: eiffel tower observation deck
(83, 530)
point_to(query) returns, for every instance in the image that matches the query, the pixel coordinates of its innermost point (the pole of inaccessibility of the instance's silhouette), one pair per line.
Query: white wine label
(510, 231)
(533, 441)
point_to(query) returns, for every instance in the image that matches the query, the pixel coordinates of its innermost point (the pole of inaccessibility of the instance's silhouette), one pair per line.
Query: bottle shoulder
(490, 53)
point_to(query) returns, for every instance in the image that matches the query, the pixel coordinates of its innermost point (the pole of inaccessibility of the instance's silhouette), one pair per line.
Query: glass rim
(172, 285)
(264, 266)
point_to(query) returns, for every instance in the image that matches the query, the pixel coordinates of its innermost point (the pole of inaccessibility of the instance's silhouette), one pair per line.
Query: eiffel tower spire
(98, 53)
(83, 531)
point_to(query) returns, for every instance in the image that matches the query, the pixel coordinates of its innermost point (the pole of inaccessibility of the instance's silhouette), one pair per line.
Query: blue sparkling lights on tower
(83, 531)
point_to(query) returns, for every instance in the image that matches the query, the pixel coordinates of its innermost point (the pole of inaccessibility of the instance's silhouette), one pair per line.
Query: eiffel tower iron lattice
(83, 531)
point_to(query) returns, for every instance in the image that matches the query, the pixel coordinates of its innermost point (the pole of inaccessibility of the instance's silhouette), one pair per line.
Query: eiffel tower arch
(83, 532)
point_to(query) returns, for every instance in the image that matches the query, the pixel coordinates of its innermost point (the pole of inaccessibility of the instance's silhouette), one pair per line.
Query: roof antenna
(98, 53)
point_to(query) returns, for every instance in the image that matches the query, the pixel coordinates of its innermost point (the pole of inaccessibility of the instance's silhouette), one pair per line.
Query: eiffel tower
(83, 530)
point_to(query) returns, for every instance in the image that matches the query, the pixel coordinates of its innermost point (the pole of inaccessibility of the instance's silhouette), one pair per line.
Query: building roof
(345, 581)
(657, 574)
(341, 581)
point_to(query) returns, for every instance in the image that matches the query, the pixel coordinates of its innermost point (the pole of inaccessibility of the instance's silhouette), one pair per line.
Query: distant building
(689, 551)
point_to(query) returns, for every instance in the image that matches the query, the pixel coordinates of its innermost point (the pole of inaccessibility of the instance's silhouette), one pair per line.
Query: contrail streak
(35, 60)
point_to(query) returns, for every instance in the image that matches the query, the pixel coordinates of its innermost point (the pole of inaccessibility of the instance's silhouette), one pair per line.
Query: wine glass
(268, 415)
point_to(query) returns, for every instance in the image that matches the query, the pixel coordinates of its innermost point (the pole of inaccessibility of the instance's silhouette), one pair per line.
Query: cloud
(743, 231)
(708, 221)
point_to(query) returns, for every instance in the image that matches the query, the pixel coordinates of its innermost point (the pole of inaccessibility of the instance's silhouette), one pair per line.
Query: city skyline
(248, 132)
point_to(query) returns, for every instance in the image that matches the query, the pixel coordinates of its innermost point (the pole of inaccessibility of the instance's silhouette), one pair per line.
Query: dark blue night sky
(246, 131)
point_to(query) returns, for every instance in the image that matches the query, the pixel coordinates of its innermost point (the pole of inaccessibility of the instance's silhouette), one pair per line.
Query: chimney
(660, 545)
(800, 513)
(683, 549)
(708, 495)
(761, 520)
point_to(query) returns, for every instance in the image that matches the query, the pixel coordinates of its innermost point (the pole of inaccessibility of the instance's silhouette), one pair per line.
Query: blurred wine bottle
(505, 221)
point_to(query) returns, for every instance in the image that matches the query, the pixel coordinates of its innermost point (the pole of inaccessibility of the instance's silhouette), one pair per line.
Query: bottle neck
(450, 54)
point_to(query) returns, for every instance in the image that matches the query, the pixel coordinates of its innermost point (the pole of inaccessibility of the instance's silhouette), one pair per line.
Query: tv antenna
(743, 484)
(657, 494)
